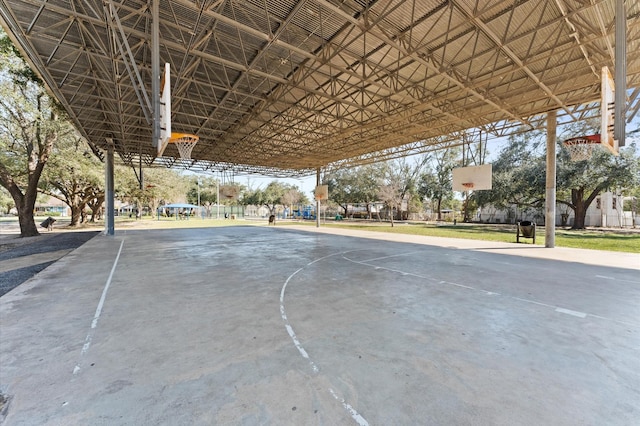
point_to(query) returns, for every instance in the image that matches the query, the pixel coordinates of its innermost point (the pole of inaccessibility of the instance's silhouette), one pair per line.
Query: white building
(607, 210)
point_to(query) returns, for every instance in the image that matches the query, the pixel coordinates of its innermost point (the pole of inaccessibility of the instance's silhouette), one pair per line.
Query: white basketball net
(580, 149)
(185, 145)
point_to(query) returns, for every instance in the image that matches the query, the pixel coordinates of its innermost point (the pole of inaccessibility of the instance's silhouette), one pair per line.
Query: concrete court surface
(265, 325)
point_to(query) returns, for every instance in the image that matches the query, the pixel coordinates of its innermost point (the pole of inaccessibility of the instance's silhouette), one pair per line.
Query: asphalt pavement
(22, 258)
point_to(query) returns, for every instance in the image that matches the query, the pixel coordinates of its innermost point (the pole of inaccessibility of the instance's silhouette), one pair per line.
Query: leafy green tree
(6, 202)
(355, 185)
(342, 188)
(587, 179)
(274, 194)
(75, 176)
(436, 182)
(518, 174)
(160, 186)
(30, 125)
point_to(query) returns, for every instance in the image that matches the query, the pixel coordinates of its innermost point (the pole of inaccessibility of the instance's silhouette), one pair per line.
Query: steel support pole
(155, 70)
(317, 201)
(620, 78)
(550, 200)
(109, 228)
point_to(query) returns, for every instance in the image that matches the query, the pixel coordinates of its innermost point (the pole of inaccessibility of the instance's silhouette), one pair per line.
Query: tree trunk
(28, 226)
(25, 204)
(439, 212)
(76, 212)
(579, 208)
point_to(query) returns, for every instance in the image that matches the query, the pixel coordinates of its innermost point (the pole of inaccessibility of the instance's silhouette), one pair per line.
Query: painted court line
(577, 314)
(354, 414)
(616, 279)
(570, 312)
(96, 316)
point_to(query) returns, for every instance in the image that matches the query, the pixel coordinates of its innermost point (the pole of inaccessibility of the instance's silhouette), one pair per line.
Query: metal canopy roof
(293, 85)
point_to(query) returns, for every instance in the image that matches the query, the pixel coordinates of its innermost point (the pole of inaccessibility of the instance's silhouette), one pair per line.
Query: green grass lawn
(623, 240)
(586, 239)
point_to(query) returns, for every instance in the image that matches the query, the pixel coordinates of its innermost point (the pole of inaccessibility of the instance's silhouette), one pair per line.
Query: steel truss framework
(284, 87)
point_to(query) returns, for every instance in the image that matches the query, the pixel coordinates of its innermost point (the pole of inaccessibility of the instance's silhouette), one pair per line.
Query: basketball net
(581, 148)
(185, 143)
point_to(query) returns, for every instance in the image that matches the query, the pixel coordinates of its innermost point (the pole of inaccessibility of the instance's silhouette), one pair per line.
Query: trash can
(526, 229)
(48, 223)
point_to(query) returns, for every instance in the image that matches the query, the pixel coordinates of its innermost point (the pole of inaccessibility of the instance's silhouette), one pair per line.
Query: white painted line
(96, 316)
(390, 256)
(354, 414)
(570, 312)
(290, 331)
(617, 279)
(534, 302)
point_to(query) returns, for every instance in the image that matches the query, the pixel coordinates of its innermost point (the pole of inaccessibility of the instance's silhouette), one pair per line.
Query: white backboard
(165, 110)
(607, 104)
(322, 192)
(472, 178)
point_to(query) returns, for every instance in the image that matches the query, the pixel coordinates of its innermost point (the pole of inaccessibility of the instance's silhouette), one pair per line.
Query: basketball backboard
(322, 192)
(607, 104)
(165, 110)
(472, 178)
(229, 192)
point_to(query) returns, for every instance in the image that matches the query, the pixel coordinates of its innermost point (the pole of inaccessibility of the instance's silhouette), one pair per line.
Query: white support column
(550, 203)
(317, 201)
(620, 78)
(109, 228)
(155, 71)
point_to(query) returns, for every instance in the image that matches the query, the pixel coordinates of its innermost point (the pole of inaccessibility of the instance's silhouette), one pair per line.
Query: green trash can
(526, 229)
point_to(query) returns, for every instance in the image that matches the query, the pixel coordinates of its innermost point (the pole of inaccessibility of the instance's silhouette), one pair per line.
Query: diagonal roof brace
(120, 38)
(364, 26)
(510, 54)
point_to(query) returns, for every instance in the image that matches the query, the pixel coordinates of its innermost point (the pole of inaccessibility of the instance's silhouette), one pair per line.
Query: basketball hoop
(467, 185)
(581, 148)
(230, 192)
(185, 143)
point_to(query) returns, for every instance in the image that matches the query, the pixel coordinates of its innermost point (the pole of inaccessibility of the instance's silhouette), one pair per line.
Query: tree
(75, 176)
(160, 186)
(518, 175)
(436, 183)
(6, 202)
(276, 193)
(30, 125)
(342, 188)
(589, 178)
(355, 185)
(290, 197)
(390, 194)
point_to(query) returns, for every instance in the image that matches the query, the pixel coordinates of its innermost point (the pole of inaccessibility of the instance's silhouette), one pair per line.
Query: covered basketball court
(257, 325)
(271, 325)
